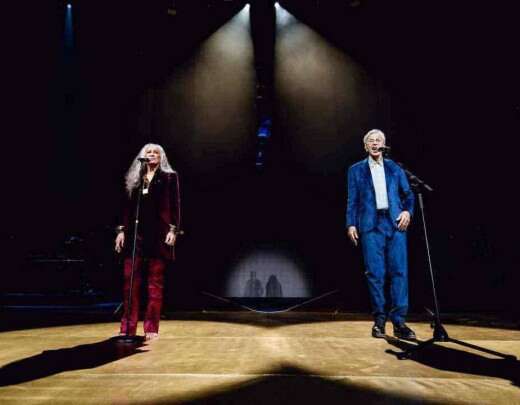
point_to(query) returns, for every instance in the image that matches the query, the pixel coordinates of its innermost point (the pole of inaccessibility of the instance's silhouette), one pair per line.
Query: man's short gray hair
(374, 132)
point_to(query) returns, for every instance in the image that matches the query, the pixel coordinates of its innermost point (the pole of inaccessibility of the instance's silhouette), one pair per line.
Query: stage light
(283, 17)
(69, 30)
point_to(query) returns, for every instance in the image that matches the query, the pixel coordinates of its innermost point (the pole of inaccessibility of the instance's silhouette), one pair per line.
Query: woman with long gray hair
(151, 179)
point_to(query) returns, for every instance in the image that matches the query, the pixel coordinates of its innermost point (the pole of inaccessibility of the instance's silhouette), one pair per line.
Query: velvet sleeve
(172, 206)
(175, 201)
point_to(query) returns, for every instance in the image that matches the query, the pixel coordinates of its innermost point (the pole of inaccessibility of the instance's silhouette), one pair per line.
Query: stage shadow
(12, 320)
(290, 385)
(446, 357)
(50, 362)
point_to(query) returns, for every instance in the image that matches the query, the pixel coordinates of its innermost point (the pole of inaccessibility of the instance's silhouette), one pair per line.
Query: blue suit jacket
(361, 202)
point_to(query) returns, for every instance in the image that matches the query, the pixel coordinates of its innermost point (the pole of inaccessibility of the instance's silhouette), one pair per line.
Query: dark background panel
(439, 79)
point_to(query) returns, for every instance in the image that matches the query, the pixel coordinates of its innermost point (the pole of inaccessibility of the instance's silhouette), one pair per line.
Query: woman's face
(153, 155)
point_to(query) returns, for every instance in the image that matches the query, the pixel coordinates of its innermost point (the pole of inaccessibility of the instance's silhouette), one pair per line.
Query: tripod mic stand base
(440, 334)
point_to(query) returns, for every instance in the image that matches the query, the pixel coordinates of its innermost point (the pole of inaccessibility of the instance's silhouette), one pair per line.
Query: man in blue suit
(379, 208)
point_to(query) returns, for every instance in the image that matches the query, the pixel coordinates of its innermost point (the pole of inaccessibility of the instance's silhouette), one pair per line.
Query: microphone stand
(127, 338)
(439, 332)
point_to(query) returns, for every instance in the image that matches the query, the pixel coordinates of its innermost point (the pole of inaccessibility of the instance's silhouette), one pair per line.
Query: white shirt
(378, 177)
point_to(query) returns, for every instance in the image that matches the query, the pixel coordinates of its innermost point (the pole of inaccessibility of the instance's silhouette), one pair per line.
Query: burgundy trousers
(155, 295)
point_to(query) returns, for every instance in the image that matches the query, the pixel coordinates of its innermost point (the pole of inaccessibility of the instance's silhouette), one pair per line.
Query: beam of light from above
(69, 29)
(283, 17)
(244, 14)
(206, 105)
(227, 37)
(326, 97)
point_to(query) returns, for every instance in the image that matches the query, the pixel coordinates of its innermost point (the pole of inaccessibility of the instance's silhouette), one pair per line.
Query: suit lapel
(368, 178)
(389, 175)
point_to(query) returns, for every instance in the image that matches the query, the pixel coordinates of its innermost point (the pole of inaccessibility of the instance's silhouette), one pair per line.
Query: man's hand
(403, 220)
(353, 235)
(170, 238)
(120, 242)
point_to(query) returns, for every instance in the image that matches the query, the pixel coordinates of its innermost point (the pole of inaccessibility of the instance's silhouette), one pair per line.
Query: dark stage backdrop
(438, 83)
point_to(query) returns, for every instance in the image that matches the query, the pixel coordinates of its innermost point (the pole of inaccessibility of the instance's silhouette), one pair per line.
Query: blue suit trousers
(384, 252)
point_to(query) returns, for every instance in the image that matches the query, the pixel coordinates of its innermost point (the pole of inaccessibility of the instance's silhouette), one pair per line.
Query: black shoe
(404, 332)
(378, 330)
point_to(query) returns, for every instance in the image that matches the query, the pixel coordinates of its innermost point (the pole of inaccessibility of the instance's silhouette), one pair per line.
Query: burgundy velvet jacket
(166, 188)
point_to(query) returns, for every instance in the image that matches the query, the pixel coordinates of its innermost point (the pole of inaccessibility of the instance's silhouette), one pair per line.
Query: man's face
(372, 145)
(154, 155)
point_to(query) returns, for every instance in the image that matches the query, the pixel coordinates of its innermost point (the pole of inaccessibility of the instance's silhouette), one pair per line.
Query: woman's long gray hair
(133, 175)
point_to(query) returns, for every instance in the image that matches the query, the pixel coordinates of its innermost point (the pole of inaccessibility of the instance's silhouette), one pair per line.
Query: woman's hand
(170, 238)
(120, 242)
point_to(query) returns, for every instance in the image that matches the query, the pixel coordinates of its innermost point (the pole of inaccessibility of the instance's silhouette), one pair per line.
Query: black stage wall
(435, 77)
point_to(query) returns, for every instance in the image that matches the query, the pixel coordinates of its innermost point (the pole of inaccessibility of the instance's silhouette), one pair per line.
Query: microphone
(143, 159)
(384, 149)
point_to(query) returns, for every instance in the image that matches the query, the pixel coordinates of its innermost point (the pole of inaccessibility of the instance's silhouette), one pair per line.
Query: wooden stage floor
(246, 358)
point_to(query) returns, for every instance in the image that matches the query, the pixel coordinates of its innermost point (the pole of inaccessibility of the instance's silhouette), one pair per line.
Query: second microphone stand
(439, 332)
